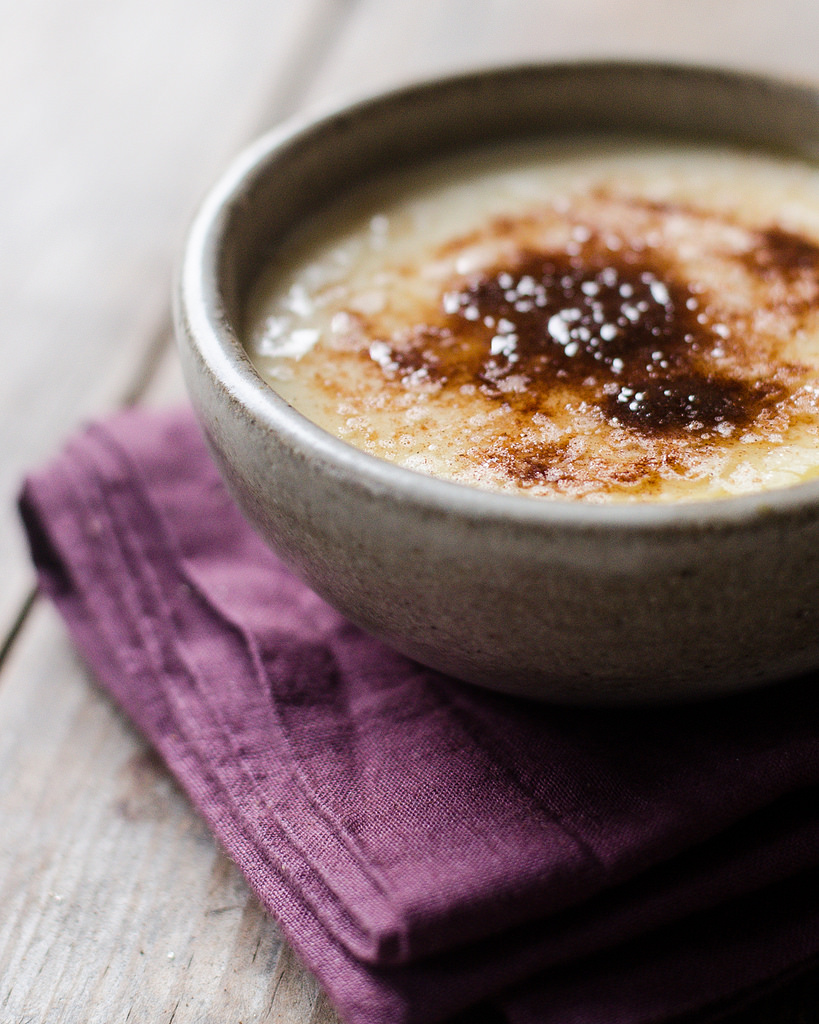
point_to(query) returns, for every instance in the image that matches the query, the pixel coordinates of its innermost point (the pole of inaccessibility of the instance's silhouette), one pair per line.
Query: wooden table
(115, 903)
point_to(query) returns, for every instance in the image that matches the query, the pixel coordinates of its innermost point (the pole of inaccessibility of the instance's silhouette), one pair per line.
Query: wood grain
(115, 903)
(393, 43)
(116, 118)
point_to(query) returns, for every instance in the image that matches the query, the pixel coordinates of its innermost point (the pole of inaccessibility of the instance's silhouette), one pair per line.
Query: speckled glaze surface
(554, 600)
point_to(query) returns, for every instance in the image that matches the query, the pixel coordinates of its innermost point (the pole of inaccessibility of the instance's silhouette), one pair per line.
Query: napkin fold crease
(425, 845)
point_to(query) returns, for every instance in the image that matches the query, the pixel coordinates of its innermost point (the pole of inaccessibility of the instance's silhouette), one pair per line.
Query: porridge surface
(602, 320)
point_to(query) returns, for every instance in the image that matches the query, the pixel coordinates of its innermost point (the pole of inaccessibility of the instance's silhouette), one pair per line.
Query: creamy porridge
(594, 319)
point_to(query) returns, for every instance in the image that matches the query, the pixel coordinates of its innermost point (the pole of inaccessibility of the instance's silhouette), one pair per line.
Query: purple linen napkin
(425, 845)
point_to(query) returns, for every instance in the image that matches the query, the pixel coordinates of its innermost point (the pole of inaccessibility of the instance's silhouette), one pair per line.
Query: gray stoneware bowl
(552, 599)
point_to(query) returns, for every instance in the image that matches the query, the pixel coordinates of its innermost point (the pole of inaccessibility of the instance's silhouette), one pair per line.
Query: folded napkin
(429, 847)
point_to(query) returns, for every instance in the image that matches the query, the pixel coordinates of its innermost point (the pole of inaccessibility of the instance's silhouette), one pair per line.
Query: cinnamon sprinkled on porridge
(593, 319)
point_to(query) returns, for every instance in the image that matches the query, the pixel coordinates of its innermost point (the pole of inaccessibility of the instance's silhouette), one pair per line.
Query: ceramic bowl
(554, 600)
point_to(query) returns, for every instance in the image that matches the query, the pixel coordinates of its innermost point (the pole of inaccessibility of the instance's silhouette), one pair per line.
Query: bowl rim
(200, 316)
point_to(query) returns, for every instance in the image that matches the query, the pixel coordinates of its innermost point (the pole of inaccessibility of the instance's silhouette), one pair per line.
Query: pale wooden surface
(115, 904)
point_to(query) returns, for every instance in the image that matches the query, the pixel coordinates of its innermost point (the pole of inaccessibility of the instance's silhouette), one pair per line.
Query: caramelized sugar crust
(606, 348)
